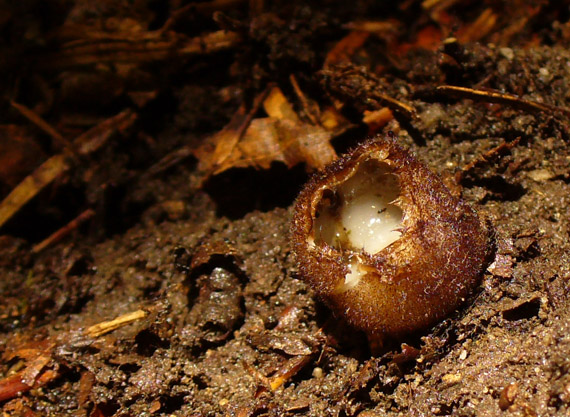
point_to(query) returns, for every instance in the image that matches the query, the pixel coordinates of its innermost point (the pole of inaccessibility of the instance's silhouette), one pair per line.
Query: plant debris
(150, 155)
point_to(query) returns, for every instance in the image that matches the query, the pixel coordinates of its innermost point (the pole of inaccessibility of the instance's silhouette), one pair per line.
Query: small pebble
(508, 394)
(507, 53)
(317, 372)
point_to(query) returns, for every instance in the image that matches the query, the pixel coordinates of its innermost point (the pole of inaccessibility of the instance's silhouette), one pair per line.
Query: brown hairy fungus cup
(384, 243)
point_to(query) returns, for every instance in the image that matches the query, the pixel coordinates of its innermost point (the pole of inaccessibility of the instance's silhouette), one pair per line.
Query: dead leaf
(269, 140)
(281, 137)
(36, 356)
(277, 106)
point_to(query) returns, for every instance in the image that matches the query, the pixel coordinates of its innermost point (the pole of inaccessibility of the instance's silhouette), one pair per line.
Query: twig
(497, 97)
(311, 109)
(226, 139)
(149, 49)
(32, 185)
(55, 166)
(98, 135)
(64, 231)
(104, 327)
(169, 160)
(290, 369)
(43, 125)
(362, 88)
(486, 157)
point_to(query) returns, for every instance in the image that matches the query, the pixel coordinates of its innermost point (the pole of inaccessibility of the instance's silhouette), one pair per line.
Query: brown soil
(228, 328)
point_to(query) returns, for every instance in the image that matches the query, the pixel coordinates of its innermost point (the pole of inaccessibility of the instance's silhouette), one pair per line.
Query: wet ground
(223, 324)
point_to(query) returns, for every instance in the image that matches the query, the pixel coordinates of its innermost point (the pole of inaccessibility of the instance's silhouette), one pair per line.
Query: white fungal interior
(360, 215)
(354, 275)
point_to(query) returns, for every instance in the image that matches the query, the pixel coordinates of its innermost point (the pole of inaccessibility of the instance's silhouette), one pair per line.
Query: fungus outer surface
(383, 241)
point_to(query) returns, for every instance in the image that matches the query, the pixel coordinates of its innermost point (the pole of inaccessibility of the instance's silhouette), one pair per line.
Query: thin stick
(43, 125)
(309, 110)
(104, 327)
(486, 157)
(131, 51)
(32, 185)
(64, 231)
(55, 166)
(497, 97)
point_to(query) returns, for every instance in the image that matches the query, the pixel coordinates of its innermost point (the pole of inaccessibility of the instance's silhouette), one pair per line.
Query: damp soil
(228, 328)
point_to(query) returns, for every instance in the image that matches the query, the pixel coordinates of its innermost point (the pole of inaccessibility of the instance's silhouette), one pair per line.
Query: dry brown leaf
(276, 105)
(281, 137)
(216, 149)
(269, 140)
(36, 356)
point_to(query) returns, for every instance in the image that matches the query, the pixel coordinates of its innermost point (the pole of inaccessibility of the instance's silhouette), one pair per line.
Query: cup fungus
(385, 244)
